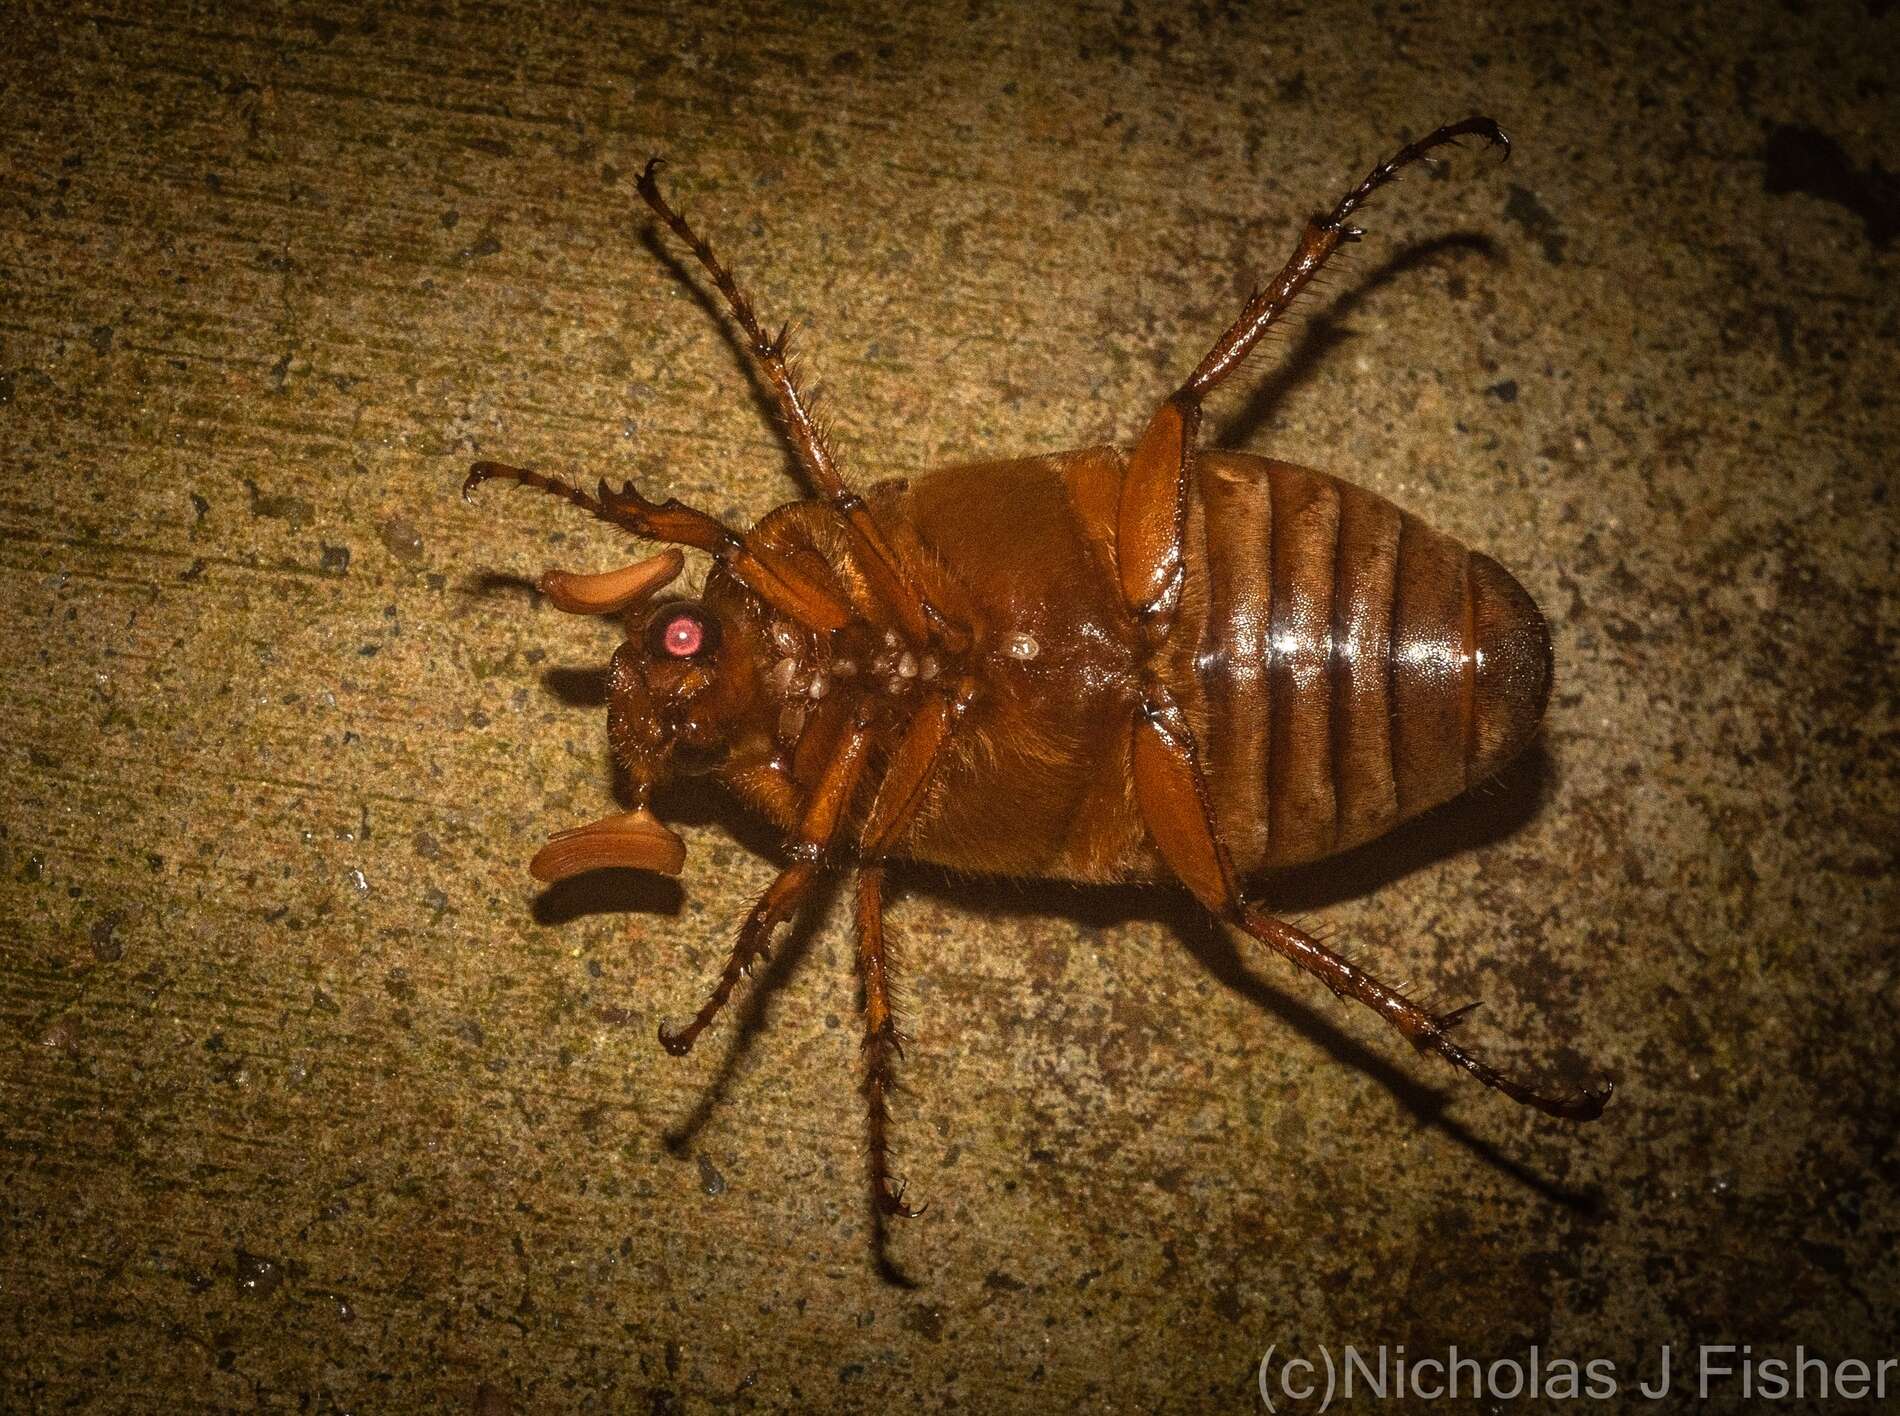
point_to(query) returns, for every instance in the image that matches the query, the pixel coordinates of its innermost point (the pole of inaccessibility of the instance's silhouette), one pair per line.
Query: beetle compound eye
(683, 632)
(683, 636)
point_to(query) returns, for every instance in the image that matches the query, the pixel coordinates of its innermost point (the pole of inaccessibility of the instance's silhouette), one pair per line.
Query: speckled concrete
(309, 1100)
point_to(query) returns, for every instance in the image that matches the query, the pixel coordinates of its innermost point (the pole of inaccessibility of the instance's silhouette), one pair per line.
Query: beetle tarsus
(678, 1043)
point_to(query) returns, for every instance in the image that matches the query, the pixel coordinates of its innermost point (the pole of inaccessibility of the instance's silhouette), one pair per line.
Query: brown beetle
(1164, 664)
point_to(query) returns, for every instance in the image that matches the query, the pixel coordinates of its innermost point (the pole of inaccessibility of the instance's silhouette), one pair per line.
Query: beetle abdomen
(1350, 667)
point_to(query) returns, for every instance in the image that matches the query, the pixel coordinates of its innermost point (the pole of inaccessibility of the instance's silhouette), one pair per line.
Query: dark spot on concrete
(106, 946)
(61, 1037)
(100, 338)
(486, 245)
(257, 1276)
(1505, 390)
(336, 560)
(426, 845)
(494, 147)
(468, 1030)
(1050, 960)
(401, 539)
(279, 507)
(1523, 207)
(324, 29)
(1829, 1258)
(450, 218)
(847, 61)
(323, 1002)
(199, 507)
(710, 1180)
(280, 371)
(1808, 161)
(1002, 1282)
(925, 1321)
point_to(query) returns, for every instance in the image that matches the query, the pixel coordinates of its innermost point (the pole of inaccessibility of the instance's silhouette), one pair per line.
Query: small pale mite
(1241, 664)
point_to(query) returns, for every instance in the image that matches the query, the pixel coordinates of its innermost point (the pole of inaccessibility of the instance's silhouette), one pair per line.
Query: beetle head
(679, 686)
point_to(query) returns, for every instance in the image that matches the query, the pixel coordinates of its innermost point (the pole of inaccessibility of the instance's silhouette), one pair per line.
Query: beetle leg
(891, 582)
(762, 570)
(1172, 796)
(900, 793)
(882, 1042)
(816, 831)
(1153, 508)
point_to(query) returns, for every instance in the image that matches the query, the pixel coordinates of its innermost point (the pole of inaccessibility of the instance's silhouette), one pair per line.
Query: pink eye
(683, 636)
(682, 631)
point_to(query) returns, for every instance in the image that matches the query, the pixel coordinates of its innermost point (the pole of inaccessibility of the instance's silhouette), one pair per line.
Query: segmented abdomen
(1350, 667)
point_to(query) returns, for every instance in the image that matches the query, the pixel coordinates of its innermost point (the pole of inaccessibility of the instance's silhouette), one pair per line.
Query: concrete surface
(310, 1101)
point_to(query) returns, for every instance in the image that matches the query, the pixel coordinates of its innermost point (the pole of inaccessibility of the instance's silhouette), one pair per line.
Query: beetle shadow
(500, 582)
(1474, 820)
(1325, 330)
(1482, 817)
(751, 1009)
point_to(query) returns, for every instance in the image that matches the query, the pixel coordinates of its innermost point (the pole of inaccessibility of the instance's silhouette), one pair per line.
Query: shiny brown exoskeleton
(1160, 664)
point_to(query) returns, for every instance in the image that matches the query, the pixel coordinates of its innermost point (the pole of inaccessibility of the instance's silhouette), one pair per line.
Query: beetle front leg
(1172, 796)
(816, 831)
(893, 583)
(1153, 508)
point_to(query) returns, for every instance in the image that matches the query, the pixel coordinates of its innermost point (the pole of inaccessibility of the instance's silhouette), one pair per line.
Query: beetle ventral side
(1154, 663)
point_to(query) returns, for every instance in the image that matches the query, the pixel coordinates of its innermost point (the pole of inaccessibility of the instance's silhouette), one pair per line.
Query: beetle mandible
(1161, 664)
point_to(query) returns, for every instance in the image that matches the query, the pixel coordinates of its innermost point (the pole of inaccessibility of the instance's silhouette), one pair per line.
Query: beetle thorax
(802, 669)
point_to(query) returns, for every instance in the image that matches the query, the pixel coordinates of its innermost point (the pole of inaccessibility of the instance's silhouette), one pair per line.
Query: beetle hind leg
(1425, 1030)
(1172, 796)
